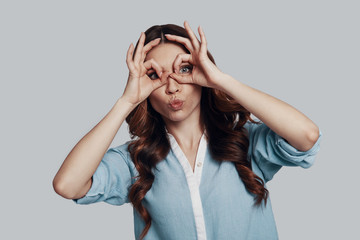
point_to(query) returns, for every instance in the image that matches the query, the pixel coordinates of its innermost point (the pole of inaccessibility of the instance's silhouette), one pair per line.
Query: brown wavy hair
(223, 121)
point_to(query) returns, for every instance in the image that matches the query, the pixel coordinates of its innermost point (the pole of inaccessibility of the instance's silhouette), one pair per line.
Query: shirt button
(199, 164)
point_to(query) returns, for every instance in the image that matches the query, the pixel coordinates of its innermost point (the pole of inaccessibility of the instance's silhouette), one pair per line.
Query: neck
(187, 133)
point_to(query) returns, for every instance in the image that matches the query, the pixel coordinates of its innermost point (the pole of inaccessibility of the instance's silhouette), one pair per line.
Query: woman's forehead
(165, 51)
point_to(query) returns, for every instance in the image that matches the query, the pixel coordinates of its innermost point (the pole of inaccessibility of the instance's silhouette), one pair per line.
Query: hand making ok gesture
(139, 86)
(205, 72)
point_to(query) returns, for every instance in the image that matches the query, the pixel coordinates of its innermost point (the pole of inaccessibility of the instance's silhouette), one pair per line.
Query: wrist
(225, 83)
(128, 105)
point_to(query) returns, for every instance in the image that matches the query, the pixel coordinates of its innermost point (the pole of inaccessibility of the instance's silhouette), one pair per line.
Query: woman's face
(174, 101)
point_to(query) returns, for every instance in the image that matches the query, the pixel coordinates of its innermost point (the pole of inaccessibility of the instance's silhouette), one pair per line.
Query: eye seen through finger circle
(153, 75)
(185, 69)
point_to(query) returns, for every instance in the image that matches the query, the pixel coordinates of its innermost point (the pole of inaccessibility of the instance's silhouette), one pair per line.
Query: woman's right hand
(139, 85)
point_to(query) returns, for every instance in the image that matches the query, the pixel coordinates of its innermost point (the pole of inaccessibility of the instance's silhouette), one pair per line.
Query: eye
(185, 69)
(153, 75)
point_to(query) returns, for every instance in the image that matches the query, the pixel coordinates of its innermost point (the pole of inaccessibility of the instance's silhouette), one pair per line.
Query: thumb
(181, 78)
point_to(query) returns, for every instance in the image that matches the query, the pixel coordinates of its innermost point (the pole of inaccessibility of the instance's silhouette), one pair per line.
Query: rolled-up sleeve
(270, 151)
(111, 180)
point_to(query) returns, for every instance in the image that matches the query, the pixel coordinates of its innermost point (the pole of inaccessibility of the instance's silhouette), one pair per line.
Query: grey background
(62, 67)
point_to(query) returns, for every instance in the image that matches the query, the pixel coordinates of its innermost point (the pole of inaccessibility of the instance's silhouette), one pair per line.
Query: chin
(174, 117)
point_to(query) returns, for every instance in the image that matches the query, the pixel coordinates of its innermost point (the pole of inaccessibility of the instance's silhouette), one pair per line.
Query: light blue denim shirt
(210, 202)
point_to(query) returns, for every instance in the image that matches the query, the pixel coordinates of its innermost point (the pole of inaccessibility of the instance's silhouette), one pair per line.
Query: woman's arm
(74, 178)
(282, 118)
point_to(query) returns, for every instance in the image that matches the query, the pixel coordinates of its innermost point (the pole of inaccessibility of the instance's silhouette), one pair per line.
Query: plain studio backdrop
(62, 68)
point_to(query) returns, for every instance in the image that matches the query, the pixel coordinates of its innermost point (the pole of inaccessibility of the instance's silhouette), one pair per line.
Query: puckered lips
(176, 104)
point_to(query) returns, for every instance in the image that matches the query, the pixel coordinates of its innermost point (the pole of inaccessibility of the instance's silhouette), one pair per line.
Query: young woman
(197, 165)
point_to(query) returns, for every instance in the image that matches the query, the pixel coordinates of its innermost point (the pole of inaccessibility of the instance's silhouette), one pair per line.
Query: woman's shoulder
(251, 125)
(123, 148)
(122, 151)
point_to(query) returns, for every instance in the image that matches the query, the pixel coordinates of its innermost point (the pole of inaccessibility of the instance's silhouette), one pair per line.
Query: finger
(129, 60)
(203, 46)
(184, 41)
(195, 41)
(148, 47)
(180, 58)
(181, 78)
(139, 49)
(152, 64)
(158, 83)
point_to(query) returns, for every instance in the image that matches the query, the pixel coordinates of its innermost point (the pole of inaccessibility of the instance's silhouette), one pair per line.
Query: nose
(172, 86)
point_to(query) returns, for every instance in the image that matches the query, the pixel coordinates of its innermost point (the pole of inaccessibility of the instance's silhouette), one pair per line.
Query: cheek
(196, 94)
(155, 100)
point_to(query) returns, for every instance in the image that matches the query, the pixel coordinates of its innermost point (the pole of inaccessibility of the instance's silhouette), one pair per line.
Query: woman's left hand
(204, 71)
